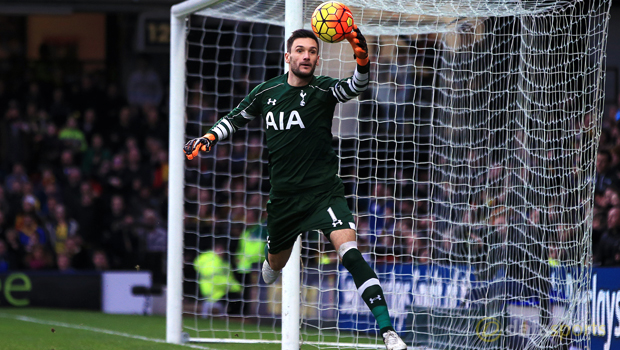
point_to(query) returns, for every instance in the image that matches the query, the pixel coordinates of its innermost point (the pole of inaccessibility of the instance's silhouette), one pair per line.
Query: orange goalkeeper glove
(192, 147)
(360, 48)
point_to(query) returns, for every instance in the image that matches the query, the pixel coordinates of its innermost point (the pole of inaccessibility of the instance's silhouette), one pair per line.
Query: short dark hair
(300, 33)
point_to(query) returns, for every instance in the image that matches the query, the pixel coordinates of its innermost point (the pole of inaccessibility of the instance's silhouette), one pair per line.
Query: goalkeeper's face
(303, 58)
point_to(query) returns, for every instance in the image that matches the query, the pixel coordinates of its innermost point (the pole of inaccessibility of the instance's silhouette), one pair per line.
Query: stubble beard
(299, 74)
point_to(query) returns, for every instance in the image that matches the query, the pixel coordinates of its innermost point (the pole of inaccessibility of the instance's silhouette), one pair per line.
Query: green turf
(52, 329)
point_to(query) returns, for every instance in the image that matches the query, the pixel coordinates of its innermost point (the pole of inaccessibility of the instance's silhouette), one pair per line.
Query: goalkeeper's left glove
(192, 147)
(360, 47)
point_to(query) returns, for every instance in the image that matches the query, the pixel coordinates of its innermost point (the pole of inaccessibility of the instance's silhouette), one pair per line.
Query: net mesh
(468, 164)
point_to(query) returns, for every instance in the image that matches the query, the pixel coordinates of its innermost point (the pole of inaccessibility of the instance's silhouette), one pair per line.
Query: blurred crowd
(83, 172)
(606, 216)
(84, 169)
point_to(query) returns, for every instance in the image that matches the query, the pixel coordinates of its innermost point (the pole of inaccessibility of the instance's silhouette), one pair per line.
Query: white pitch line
(93, 329)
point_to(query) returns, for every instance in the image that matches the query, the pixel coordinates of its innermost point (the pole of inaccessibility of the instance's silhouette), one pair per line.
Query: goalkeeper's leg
(367, 284)
(274, 263)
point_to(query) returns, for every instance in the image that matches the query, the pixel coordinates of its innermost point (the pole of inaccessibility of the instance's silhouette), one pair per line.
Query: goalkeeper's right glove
(192, 147)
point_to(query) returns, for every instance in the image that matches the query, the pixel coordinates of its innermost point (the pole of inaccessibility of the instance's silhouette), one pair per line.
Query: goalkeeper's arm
(349, 88)
(246, 111)
(221, 130)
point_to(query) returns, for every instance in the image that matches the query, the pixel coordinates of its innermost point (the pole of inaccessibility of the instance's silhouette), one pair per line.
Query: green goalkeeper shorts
(289, 215)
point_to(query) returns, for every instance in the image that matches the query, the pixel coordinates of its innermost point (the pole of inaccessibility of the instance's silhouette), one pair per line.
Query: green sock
(368, 285)
(383, 318)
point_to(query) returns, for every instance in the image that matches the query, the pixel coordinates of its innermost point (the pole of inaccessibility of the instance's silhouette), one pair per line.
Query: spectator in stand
(28, 191)
(90, 123)
(50, 207)
(100, 260)
(33, 95)
(4, 203)
(46, 188)
(124, 128)
(15, 200)
(39, 258)
(144, 85)
(50, 146)
(60, 108)
(253, 180)
(15, 248)
(119, 239)
(3, 224)
(29, 207)
(47, 177)
(31, 233)
(80, 257)
(153, 239)
(71, 189)
(4, 96)
(608, 251)
(131, 143)
(87, 94)
(60, 228)
(610, 198)
(114, 102)
(424, 257)
(377, 210)
(67, 161)
(255, 150)
(363, 235)
(72, 137)
(143, 199)
(95, 155)
(63, 263)
(615, 160)
(86, 215)
(136, 170)
(604, 176)
(18, 175)
(598, 228)
(385, 243)
(413, 245)
(153, 126)
(117, 181)
(6, 260)
(238, 158)
(37, 119)
(159, 165)
(15, 138)
(554, 256)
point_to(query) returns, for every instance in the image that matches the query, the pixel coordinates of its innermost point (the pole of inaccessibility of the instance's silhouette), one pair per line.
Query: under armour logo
(302, 94)
(335, 220)
(372, 300)
(271, 101)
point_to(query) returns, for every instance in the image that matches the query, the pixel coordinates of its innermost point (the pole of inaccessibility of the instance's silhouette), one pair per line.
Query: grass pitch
(53, 329)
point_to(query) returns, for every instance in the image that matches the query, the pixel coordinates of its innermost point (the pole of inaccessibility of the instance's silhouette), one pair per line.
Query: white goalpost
(468, 165)
(290, 275)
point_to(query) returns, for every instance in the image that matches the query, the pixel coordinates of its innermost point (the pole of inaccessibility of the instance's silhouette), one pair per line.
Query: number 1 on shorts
(335, 220)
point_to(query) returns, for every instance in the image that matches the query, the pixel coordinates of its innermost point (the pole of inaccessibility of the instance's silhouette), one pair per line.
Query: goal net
(468, 164)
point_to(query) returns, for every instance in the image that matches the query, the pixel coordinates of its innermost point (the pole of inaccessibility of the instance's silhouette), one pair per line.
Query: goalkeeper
(306, 194)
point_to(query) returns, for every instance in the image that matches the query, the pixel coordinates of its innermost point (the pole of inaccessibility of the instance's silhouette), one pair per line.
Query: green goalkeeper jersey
(297, 122)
